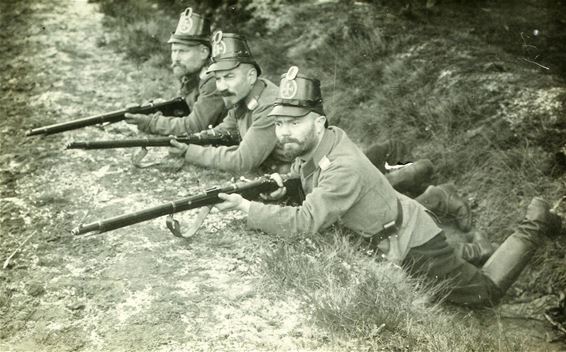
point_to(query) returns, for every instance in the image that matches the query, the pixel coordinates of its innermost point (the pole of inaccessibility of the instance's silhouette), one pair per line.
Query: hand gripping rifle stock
(247, 189)
(174, 107)
(217, 138)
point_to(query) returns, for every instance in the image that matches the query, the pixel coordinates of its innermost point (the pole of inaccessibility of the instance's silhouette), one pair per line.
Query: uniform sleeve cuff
(254, 215)
(190, 151)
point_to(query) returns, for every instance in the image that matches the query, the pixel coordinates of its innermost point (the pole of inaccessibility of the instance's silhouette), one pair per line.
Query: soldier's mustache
(226, 93)
(289, 140)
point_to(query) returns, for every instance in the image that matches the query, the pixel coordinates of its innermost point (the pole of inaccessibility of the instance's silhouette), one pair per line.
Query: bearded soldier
(190, 53)
(342, 185)
(249, 99)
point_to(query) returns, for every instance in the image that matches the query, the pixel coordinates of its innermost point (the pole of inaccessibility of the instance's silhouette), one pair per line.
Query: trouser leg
(465, 283)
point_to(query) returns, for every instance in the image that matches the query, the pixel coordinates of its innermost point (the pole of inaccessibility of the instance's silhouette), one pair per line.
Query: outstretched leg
(470, 285)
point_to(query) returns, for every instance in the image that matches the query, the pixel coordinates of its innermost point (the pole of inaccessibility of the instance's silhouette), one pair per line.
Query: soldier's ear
(320, 123)
(205, 50)
(252, 75)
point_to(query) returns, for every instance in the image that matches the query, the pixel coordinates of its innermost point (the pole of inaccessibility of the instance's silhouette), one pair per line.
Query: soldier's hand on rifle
(140, 120)
(233, 201)
(277, 194)
(178, 147)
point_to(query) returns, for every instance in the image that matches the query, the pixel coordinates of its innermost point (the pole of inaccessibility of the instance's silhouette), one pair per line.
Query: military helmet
(192, 29)
(230, 50)
(298, 95)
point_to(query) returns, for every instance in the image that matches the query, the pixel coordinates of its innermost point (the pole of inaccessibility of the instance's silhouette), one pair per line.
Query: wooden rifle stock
(217, 138)
(174, 107)
(248, 189)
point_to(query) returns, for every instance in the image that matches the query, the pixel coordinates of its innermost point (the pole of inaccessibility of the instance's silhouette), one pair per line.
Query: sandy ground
(132, 289)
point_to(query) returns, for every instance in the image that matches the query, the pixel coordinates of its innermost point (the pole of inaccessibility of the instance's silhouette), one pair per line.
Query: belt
(390, 228)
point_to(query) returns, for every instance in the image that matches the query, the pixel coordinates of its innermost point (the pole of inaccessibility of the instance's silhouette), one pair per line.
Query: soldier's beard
(180, 70)
(229, 100)
(294, 148)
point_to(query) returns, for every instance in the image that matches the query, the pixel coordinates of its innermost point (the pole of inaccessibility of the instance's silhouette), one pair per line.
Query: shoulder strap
(252, 100)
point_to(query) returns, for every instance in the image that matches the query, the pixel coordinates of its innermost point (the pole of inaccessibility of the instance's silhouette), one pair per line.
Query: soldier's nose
(282, 130)
(221, 86)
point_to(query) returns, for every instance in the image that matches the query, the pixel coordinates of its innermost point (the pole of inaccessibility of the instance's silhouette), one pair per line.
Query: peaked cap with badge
(229, 50)
(298, 95)
(192, 29)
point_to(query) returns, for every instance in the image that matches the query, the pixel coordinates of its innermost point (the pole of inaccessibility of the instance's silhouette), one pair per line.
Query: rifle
(174, 107)
(248, 189)
(215, 138)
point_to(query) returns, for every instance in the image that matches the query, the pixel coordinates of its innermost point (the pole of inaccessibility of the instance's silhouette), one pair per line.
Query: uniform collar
(251, 101)
(319, 156)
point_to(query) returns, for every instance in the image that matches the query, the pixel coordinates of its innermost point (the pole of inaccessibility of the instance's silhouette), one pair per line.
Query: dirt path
(139, 288)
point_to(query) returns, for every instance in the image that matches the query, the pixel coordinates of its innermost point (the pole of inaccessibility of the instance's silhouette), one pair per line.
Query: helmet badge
(288, 84)
(187, 22)
(218, 46)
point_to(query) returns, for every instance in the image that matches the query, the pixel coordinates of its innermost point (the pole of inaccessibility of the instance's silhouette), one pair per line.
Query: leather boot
(391, 151)
(509, 260)
(412, 179)
(444, 201)
(547, 222)
(478, 251)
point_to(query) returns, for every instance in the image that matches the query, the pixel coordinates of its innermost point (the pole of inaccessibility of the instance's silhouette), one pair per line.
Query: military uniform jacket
(207, 108)
(342, 186)
(258, 148)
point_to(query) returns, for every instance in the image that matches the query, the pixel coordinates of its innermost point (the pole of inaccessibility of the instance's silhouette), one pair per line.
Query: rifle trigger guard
(173, 226)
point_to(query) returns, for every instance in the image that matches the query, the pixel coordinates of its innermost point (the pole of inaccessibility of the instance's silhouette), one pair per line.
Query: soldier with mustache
(190, 53)
(248, 98)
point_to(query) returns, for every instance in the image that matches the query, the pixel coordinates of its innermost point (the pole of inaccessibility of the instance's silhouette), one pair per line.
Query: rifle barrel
(113, 116)
(249, 190)
(226, 139)
(121, 143)
(170, 107)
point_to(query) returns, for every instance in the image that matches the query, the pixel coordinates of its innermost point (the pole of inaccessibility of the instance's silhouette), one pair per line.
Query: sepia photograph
(283, 175)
